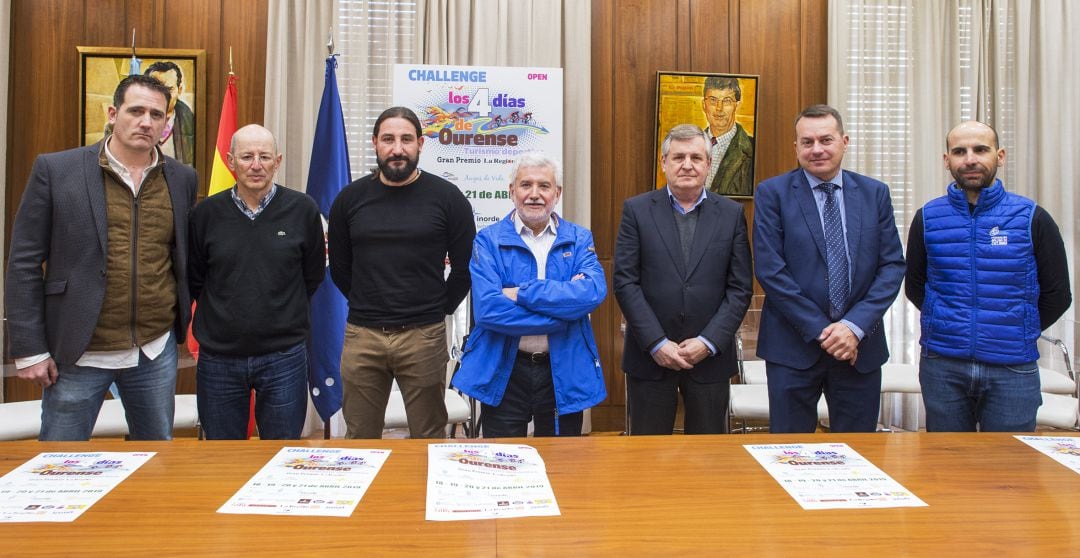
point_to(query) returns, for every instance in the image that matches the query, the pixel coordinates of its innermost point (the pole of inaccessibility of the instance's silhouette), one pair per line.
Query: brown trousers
(372, 358)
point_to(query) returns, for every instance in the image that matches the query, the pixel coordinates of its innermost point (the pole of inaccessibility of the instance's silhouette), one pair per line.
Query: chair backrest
(1054, 357)
(1061, 391)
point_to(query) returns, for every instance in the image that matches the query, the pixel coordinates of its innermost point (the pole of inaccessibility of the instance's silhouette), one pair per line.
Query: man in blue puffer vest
(987, 268)
(535, 278)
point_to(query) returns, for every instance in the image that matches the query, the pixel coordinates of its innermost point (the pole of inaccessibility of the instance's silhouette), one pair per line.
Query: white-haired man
(535, 278)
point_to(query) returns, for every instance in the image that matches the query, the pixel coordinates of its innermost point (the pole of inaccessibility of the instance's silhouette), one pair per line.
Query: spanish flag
(221, 178)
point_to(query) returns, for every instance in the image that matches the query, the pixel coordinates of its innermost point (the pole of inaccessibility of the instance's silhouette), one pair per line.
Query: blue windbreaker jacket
(555, 306)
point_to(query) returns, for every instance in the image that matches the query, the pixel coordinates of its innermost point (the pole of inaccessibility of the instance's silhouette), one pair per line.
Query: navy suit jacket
(661, 296)
(789, 261)
(62, 223)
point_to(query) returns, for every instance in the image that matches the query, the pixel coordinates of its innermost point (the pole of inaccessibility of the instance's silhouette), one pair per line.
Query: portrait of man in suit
(725, 107)
(732, 149)
(178, 137)
(828, 256)
(683, 279)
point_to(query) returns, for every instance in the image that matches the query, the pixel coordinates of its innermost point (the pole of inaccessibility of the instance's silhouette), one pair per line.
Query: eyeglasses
(727, 102)
(249, 159)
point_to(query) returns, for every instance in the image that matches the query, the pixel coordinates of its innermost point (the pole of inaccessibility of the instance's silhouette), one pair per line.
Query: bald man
(257, 256)
(987, 269)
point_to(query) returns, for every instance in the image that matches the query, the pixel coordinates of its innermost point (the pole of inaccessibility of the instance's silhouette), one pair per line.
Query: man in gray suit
(683, 278)
(97, 278)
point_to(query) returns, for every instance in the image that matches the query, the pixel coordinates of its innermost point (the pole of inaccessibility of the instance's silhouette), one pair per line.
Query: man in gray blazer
(683, 278)
(97, 278)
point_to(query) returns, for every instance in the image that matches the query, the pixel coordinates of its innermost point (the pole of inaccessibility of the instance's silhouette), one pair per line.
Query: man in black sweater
(257, 257)
(389, 236)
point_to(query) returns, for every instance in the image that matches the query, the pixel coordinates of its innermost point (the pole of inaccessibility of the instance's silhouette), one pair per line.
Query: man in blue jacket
(535, 278)
(987, 268)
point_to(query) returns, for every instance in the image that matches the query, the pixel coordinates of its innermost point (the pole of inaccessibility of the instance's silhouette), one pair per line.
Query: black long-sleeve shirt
(387, 248)
(1055, 295)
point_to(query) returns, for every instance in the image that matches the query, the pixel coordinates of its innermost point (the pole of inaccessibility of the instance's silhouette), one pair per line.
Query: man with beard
(389, 235)
(987, 268)
(532, 355)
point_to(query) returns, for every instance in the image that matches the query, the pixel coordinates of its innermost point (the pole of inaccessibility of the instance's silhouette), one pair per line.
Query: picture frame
(707, 100)
(184, 70)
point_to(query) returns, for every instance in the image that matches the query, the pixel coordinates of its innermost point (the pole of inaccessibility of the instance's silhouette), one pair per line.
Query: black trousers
(530, 396)
(653, 404)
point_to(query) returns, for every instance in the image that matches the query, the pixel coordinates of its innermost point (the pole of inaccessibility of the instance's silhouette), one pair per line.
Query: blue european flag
(329, 173)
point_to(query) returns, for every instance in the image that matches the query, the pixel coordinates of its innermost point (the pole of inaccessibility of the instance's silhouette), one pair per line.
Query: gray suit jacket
(661, 296)
(62, 223)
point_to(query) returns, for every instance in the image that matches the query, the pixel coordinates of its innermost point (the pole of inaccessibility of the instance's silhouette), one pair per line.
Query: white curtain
(543, 33)
(904, 72)
(297, 34)
(5, 61)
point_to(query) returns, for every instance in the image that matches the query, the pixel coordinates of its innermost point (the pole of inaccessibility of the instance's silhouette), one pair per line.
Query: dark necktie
(835, 253)
(714, 141)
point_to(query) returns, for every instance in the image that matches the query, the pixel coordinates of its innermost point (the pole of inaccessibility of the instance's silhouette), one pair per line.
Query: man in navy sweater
(257, 257)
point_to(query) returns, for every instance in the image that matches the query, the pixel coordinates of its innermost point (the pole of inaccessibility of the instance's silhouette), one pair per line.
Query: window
(372, 36)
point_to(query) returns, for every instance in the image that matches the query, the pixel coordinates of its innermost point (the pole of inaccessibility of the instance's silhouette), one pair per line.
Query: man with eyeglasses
(257, 256)
(731, 148)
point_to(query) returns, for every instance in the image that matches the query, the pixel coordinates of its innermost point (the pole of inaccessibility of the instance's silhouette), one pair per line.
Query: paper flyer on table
(309, 481)
(61, 486)
(1063, 449)
(486, 481)
(831, 476)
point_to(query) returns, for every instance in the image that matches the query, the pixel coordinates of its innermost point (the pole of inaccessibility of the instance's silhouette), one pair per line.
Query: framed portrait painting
(725, 107)
(182, 71)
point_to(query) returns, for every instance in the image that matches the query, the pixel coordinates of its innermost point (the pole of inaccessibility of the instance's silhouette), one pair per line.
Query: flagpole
(134, 65)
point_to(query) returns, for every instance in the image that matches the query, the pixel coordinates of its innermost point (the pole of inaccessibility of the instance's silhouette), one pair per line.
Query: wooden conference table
(988, 495)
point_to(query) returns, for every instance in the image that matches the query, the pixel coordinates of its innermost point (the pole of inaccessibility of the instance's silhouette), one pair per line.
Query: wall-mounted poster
(725, 106)
(182, 71)
(477, 119)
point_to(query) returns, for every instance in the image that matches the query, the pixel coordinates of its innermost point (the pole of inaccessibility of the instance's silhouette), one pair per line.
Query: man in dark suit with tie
(683, 279)
(828, 257)
(97, 279)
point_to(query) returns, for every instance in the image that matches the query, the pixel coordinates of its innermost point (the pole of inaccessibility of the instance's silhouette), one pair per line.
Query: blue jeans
(224, 385)
(965, 395)
(70, 407)
(529, 396)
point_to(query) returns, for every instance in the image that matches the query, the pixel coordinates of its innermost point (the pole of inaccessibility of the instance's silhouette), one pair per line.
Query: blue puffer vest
(982, 287)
